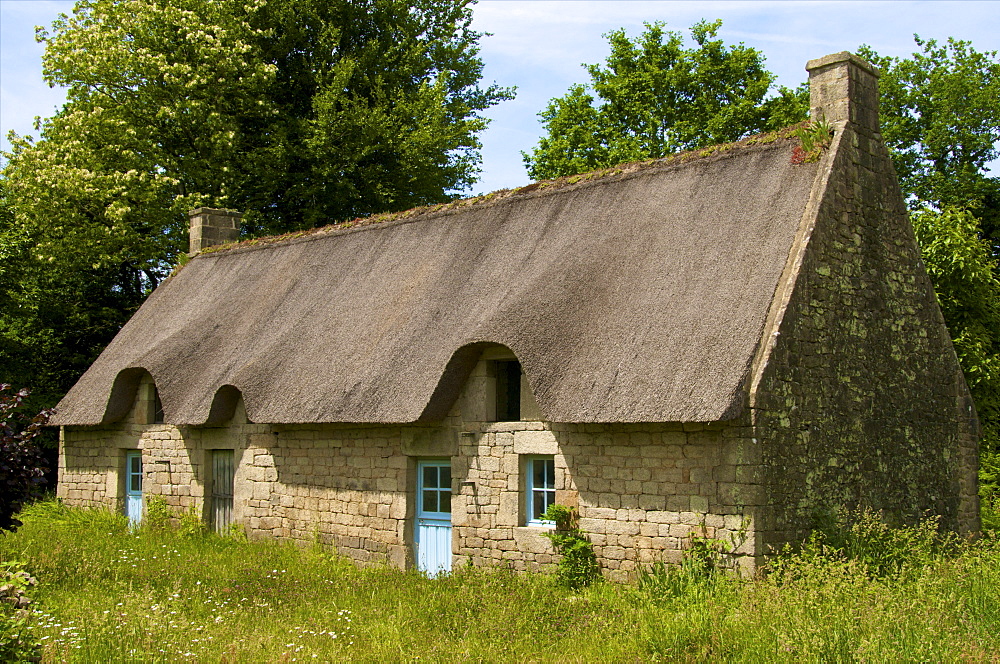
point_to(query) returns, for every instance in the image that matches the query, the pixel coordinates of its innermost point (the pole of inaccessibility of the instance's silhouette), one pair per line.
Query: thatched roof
(639, 296)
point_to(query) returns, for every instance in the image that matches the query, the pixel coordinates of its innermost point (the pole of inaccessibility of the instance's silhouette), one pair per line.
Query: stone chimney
(843, 87)
(211, 226)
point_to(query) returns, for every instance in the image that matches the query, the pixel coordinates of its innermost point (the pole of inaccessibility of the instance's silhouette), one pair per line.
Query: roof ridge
(547, 186)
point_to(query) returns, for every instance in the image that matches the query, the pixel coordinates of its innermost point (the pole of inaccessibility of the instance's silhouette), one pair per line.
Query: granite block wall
(859, 400)
(642, 491)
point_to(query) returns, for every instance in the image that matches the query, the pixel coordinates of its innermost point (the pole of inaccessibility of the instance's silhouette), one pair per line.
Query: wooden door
(433, 531)
(133, 486)
(222, 490)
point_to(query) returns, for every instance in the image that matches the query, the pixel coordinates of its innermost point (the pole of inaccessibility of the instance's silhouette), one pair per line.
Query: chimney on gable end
(212, 226)
(843, 87)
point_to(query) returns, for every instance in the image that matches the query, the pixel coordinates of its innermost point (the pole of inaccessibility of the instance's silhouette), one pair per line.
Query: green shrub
(881, 549)
(237, 532)
(17, 643)
(577, 567)
(190, 524)
(989, 491)
(700, 568)
(158, 514)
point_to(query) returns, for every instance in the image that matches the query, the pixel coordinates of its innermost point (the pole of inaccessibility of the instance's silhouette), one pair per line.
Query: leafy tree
(658, 97)
(22, 466)
(297, 112)
(940, 111)
(965, 279)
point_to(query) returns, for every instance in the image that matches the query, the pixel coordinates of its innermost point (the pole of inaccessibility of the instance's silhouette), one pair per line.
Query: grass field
(105, 593)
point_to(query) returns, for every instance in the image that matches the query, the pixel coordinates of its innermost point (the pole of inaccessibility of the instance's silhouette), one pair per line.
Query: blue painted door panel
(133, 486)
(433, 531)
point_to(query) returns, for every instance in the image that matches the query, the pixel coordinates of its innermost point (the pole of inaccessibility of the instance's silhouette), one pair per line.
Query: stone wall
(860, 400)
(341, 486)
(92, 464)
(174, 461)
(642, 491)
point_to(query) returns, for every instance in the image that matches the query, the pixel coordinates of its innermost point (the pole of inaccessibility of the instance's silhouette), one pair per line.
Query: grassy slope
(108, 594)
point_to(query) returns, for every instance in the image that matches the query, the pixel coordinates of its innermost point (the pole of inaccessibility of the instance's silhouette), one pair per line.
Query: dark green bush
(22, 464)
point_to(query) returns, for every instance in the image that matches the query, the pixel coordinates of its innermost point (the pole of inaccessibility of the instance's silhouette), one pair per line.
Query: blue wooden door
(133, 486)
(433, 537)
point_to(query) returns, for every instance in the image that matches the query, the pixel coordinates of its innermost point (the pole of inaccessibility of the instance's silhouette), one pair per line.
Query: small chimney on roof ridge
(843, 88)
(212, 226)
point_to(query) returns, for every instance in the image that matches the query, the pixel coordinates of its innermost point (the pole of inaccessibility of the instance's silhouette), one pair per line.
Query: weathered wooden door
(133, 486)
(433, 531)
(222, 489)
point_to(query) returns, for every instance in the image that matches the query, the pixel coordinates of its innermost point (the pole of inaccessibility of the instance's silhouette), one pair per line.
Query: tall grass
(110, 594)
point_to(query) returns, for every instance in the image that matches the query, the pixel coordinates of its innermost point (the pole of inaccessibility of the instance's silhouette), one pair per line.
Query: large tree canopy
(940, 111)
(297, 112)
(940, 116)
(964, 273)
(658, 97)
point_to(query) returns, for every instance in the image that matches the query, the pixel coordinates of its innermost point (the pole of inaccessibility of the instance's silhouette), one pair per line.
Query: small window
(157, 407)
(435, 488)
(508, 391)
(540, 488)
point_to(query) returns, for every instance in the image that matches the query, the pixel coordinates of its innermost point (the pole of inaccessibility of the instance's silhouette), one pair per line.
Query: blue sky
(540, 45)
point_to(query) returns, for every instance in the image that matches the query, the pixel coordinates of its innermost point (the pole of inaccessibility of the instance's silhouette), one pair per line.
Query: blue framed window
(540, 488)
(435, 489)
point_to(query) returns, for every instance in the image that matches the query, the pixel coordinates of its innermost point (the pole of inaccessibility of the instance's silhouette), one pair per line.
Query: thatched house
(724, 343)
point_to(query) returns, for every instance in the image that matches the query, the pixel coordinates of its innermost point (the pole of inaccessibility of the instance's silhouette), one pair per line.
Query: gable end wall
(861, 401)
